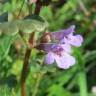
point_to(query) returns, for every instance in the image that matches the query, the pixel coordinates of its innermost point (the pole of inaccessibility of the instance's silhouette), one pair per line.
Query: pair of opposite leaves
(25, 26)
(9, 29)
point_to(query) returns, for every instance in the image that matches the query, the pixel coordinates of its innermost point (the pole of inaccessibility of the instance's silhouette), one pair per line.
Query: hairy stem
(26, 67)
(38, 7)
(27, 55)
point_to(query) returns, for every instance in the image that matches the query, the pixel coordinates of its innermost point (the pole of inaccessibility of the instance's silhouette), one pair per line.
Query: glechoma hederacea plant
(60, 50)
(57, 46)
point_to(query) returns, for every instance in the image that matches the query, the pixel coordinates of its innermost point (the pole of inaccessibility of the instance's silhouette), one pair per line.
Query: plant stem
(40, 75)
(28, 53)
(38, 7)
(25, 66)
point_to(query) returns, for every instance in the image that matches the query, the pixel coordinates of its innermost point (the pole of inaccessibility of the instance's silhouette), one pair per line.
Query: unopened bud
(46, 38)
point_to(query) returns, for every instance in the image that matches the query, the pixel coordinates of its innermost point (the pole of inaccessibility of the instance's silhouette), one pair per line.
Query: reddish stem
(28, 53)
(26, 67)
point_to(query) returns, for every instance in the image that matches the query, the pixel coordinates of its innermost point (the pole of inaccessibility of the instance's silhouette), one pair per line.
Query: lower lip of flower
(67, 38)
(59, 53)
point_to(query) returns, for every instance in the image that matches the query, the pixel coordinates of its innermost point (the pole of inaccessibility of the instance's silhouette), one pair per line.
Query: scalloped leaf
(25, 26)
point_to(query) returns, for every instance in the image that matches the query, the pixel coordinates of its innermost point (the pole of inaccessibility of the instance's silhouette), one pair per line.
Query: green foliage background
(76, 81)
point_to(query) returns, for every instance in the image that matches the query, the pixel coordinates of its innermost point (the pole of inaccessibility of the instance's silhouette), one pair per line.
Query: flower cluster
(60, 51)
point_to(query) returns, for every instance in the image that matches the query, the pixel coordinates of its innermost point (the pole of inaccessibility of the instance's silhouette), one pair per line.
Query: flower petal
(65, 61)
(45, 47)
(49, 59)
(76, 40)
(66, 47)
(59, 35)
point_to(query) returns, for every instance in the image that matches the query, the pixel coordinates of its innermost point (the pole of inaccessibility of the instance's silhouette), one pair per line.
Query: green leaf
(8, 28)
(57, 90)
(81, 77)
(25, 26)
(29, 25)
(5, 43)
(17, 67)
(4, 7)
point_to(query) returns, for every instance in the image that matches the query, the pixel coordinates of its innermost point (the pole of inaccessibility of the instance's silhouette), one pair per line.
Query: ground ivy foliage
(45, 78)
(25, 26)
(9, 30)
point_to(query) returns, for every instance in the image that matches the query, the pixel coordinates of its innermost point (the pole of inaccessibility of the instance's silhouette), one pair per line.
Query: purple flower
(59, 35)
(56, 52)
(59, 51)
(66, 36)
(74, 40)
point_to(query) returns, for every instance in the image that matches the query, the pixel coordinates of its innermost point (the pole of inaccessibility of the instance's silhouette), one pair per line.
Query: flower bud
(46, 38)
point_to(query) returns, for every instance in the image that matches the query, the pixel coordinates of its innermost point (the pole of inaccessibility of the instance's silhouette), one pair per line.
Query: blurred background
(80, 79)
